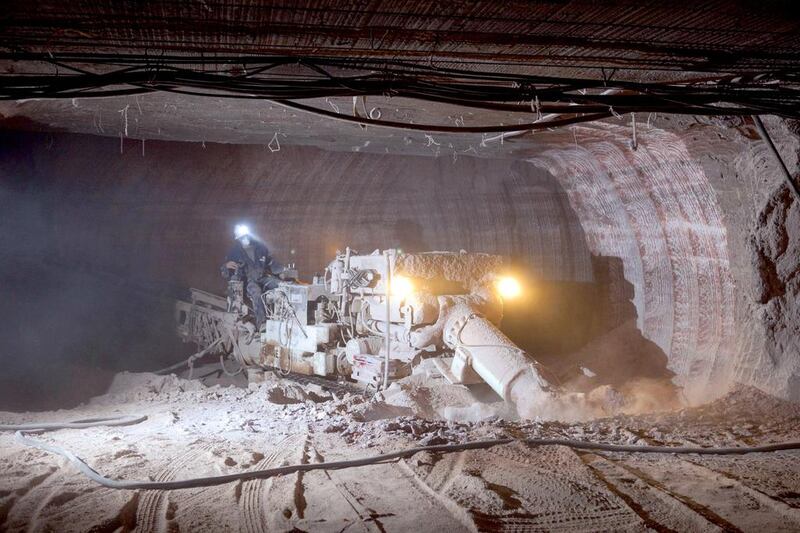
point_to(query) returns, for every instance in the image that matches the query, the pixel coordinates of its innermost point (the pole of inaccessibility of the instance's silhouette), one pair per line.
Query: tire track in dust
(695, 506)
(511, 471)
(154, 504)
(364, 517)
(360, 511)
(636, 506)
(787, 512)
(196, 508)
(80, 506)
(438, 491)
(369, 519)
(251, 494)
(12, 498)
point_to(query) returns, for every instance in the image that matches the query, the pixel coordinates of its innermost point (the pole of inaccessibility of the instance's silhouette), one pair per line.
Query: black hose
(545, 124)
(210, 481)
(787, 176)
(190, 360)
(764, 93)
(77, 424)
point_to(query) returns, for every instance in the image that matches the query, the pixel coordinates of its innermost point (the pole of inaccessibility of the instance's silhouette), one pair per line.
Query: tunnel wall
(167, 213)
(708, 235)
(761, 215)
(654, 208)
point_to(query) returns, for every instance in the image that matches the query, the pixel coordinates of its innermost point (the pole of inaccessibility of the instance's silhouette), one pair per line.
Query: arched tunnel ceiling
(175, 117)
(637, 41)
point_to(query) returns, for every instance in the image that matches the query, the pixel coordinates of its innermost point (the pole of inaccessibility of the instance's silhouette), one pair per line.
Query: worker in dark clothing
(249, 261)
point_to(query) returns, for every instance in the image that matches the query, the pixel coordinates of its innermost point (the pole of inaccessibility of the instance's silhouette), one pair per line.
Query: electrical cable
(787, 176)
(444, 129)
(77, 424)
(580, 100)
(209, 481)
(461, 344)
(237, 355)
(190, 361)
(284, 312)
(225, 370)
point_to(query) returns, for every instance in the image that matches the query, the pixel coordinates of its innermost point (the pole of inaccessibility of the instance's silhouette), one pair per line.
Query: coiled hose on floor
(209, 481)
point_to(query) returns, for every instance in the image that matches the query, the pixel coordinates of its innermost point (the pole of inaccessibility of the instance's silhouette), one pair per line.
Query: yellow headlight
(508, 287)
(401, 286)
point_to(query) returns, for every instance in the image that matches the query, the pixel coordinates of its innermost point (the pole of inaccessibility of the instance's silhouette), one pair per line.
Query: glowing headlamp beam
(241, 230)
(401, 286)
(508, 287)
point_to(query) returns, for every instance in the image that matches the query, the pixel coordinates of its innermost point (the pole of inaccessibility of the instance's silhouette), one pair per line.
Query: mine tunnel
(522, 267)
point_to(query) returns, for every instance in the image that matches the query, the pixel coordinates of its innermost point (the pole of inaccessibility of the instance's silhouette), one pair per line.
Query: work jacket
(258, 268)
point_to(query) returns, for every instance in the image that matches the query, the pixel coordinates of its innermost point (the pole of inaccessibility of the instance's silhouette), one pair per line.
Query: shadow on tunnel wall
(407, 235)
(67, 329)
(572, 326)
(68, 323)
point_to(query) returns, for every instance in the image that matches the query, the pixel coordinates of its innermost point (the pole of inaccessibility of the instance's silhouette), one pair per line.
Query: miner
(249, 261)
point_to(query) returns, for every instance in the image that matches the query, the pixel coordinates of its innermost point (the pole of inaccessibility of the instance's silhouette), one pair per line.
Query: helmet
(240, 231)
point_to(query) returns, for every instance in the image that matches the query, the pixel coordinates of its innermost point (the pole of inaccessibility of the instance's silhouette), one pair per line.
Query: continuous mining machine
(370, 319)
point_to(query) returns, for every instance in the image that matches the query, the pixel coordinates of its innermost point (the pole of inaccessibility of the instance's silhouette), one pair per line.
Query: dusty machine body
(371, 318)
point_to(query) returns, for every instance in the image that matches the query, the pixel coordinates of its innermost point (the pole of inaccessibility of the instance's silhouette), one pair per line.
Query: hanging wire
(577, 100)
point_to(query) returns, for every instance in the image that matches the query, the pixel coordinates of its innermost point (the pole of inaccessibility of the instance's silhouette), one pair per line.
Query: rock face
(707, 234)
(654, 208)
(775, 252)
(776, 260)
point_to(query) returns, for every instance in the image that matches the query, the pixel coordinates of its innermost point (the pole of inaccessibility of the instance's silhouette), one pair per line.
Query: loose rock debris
(199, 429)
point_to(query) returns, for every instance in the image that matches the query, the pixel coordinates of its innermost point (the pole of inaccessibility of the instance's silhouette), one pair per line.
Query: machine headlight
(508, 287)
(401, 286)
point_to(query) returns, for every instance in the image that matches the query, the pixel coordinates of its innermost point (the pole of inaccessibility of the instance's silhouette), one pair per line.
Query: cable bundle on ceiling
(287, 79)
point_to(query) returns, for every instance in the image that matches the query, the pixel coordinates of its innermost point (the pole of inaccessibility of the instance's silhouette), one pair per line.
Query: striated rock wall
(708, 236)
(654, 208)
(768, 235)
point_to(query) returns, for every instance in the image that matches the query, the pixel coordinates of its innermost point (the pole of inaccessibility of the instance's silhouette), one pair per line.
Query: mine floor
(198, 430)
